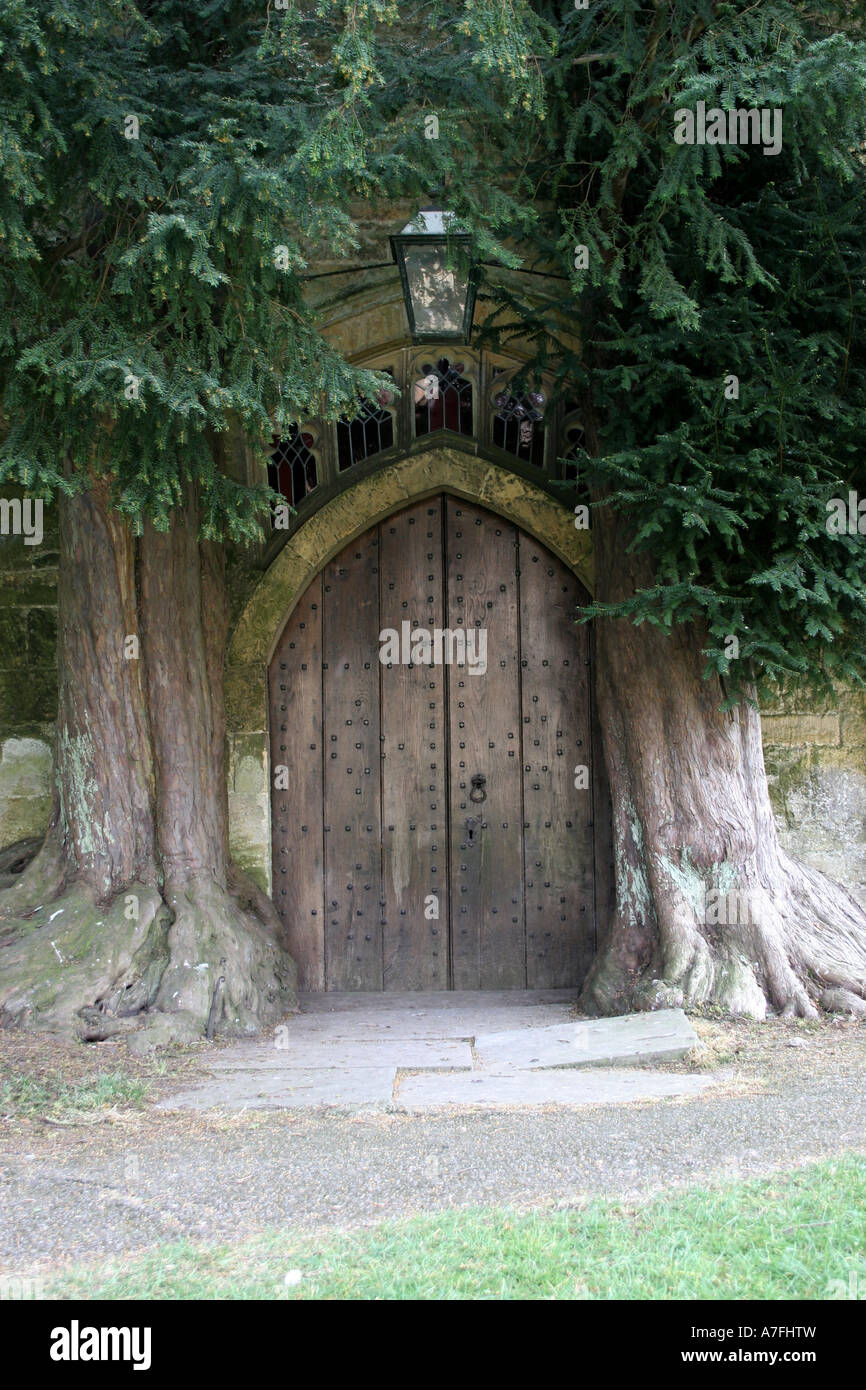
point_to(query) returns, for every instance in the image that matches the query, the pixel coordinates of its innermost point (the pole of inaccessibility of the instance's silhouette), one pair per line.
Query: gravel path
(150, 1176)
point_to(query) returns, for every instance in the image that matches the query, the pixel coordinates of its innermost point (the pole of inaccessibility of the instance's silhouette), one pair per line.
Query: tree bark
(132, 910)
(710, 909)
(219, 920)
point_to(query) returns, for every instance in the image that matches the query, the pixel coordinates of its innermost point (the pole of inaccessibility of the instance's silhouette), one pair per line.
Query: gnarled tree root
(792, 945)
(145, 961)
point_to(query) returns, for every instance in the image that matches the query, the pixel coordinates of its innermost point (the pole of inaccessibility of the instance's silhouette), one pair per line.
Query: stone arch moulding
(374, 497)
(307, 551)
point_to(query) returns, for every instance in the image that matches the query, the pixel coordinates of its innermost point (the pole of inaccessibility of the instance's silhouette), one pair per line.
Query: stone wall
(816, 765)
(28, 677)
(249, 804)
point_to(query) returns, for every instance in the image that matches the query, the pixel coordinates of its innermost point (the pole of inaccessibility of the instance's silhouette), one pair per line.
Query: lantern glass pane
(438, 291)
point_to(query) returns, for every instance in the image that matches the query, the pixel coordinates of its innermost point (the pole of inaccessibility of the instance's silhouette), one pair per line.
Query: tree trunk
(710, 909)
(132, 911)
(220, 921)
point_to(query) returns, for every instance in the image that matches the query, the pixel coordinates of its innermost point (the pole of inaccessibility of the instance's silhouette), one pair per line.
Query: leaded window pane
(517, 426)
(293, 470)
(443, 399)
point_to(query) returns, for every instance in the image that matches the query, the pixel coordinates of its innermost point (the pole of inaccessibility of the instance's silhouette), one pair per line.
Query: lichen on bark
(692, 818)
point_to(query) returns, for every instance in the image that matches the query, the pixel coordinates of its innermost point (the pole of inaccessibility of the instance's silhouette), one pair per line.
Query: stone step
(645, 1037)
(445, 1014)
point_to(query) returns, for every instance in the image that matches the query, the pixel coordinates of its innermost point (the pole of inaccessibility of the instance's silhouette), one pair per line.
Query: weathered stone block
(643, 1037)
(22, 817)
(23, 588)
(248, 769)
(246, 697)
(42, 636)
(25, 768)
(290, 1089)
(853, 730)
(821, 819)
(249, 836)
(13, 638)
(794, 730)
(27, 702)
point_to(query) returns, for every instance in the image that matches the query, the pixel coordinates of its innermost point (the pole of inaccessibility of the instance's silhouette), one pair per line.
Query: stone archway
(364, 503)
(354, 511)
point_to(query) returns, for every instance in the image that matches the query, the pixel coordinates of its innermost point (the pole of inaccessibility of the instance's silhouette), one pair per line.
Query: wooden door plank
(414, 797)
(295, 698)
(352, 806)
(487, 905)
(558, 815)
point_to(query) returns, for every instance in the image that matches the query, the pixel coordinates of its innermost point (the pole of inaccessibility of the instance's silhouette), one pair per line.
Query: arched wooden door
(428, 832)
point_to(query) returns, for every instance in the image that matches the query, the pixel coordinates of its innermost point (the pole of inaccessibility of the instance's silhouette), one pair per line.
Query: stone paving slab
(445, 1014)
(555, 1087)
(318, 1051)
(645, 1037)
(364, 1088)
(348, 1051)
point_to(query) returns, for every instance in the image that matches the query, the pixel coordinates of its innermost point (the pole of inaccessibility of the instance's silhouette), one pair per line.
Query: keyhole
(471, 823)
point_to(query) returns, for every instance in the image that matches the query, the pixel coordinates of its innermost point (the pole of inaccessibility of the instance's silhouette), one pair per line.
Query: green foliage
(706, 261)
(153, 261)
(146, 308)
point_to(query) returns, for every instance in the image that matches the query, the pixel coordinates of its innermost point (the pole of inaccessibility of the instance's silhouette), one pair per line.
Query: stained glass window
(368, 433)
(443, 398)
(517, 425)
(292, 470)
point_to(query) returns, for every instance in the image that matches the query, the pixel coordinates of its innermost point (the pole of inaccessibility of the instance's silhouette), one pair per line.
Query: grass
(51, 1097)
(783, 1237)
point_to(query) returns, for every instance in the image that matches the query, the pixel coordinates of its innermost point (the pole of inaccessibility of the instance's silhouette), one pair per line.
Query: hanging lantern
(438, 277)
